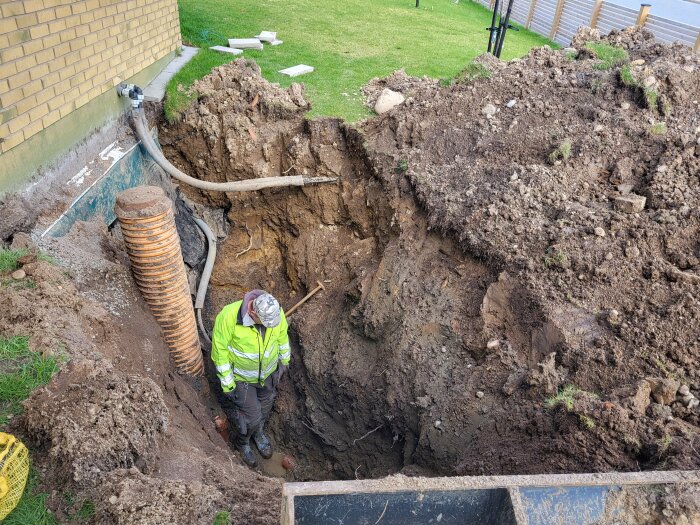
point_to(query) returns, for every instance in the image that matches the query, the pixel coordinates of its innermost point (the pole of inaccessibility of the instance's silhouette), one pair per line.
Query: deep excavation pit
(471, 274)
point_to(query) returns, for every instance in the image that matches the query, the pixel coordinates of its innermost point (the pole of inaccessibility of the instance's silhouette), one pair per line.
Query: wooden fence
(559, 19)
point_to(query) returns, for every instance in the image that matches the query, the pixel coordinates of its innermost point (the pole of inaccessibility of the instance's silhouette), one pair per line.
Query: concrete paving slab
(276, 42)
(295, 71)
(267, 36)
(155, 91)
(245, 43)
(224, 49)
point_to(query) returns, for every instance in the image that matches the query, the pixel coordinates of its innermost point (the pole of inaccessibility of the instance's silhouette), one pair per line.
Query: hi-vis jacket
(241, 354)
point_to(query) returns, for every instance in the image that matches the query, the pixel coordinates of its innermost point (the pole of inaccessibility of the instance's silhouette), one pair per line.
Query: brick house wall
(58, 55)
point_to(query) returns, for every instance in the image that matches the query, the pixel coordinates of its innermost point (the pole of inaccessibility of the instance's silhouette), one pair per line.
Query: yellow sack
(14, 469)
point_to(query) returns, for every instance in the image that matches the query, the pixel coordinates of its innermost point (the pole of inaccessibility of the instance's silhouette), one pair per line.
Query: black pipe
(502, 31)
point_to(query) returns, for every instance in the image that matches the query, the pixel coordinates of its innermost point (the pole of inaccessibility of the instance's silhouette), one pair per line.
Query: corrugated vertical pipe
(147, 222)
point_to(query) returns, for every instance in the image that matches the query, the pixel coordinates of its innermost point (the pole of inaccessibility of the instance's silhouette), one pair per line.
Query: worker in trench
(250, 348)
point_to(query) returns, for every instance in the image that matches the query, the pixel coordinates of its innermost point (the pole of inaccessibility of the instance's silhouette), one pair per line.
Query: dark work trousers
(253, 404)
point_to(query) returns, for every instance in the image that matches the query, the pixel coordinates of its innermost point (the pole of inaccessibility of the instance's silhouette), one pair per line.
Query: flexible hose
(206, 274)
(141, 127)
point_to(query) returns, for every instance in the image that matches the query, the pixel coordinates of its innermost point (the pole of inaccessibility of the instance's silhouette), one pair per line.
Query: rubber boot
(263, 443)
(243, 446)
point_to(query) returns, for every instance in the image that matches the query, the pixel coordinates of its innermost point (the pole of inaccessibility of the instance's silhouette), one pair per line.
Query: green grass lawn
(348, 42)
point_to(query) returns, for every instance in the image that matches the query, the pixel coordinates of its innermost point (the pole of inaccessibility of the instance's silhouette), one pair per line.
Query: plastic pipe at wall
(147, 223)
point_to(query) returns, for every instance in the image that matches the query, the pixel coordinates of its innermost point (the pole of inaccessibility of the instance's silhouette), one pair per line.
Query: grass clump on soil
(565, 397)
(377, 38)
(609, 56)
(650, 95)
(222, 518)
(555, 258)
(21, 371)
(31, 509)
(562, 152)
(8, 259)
(472, 72)
(658, 128)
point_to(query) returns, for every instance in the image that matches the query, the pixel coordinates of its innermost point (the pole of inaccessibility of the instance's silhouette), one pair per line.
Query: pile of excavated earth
(511, 267)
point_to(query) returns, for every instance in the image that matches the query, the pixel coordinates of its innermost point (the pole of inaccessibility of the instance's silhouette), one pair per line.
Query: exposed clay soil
(468, 277)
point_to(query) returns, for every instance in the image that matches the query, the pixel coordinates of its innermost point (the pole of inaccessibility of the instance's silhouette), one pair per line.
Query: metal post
(596, 13)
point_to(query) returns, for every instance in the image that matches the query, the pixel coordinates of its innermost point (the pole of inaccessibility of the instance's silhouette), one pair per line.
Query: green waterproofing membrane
(134, 168)
(566, 499)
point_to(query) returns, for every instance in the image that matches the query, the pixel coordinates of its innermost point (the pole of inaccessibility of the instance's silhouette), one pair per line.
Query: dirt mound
(398, 81)
(92, 420)
(426, 345)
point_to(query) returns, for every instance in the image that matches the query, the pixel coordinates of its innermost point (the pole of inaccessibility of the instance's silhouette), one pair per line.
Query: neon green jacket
(241, 354)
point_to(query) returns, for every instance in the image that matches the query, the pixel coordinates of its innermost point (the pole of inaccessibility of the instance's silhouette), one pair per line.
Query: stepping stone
(275, 42)
(295, 71)
(224, 49)
(245, 43)
(267, 36)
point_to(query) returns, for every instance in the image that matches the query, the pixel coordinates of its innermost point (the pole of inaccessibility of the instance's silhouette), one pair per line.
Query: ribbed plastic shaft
(148, 225)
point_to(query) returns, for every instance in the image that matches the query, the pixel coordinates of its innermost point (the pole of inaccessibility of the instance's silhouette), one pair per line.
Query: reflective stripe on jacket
(241, 354)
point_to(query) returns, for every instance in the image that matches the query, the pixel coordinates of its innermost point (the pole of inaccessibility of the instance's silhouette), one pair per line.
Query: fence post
(696, 47)
(643, 14)
(596, 13)
(531, 13)
(557, 19)
(491, 2)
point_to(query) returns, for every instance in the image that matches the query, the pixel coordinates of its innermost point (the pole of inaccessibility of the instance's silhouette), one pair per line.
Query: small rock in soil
(511, 103)
(664, 390)
(625, 105)
(684, 390)
(388, 100)
(600, 232)
(489, 110)
(18, 275)
(693, 403)
(630, 203)
(480, 394)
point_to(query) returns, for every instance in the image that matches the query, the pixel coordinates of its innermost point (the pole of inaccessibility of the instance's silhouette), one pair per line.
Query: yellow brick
(4, 86)
(82, 30)
(19, 79)
(61, 49)
(47, 15)
(7, 25)
(77, 44)
(95, 27)
(78, 7)
(44, 56)
(4, 41)
(87, 17)
(38, 112)
(82, 65)
(26, 20)
(33, 129)
(39, 31)
(50, 79)
(92, 4)
(12, 53)
(67, 108)
(44, 95)
(94, 59)
(31, 88)
(112, 10)
(12, 9)
(67, 72)
(72, 57)
(63, 11)
(33, 46)
(4, 132)
(77, 80)
(51, 118)
(27, 103)
(82, 100)
(56, 101)
(39, 71)
(51, 40)
(90, 39)
(10, 98)
(57, 26)
(28, 62)
(61, 87)
(33, 5)
(86, 52)
(19, 122)
(72, 21)
(11, 141)
(84, 87)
